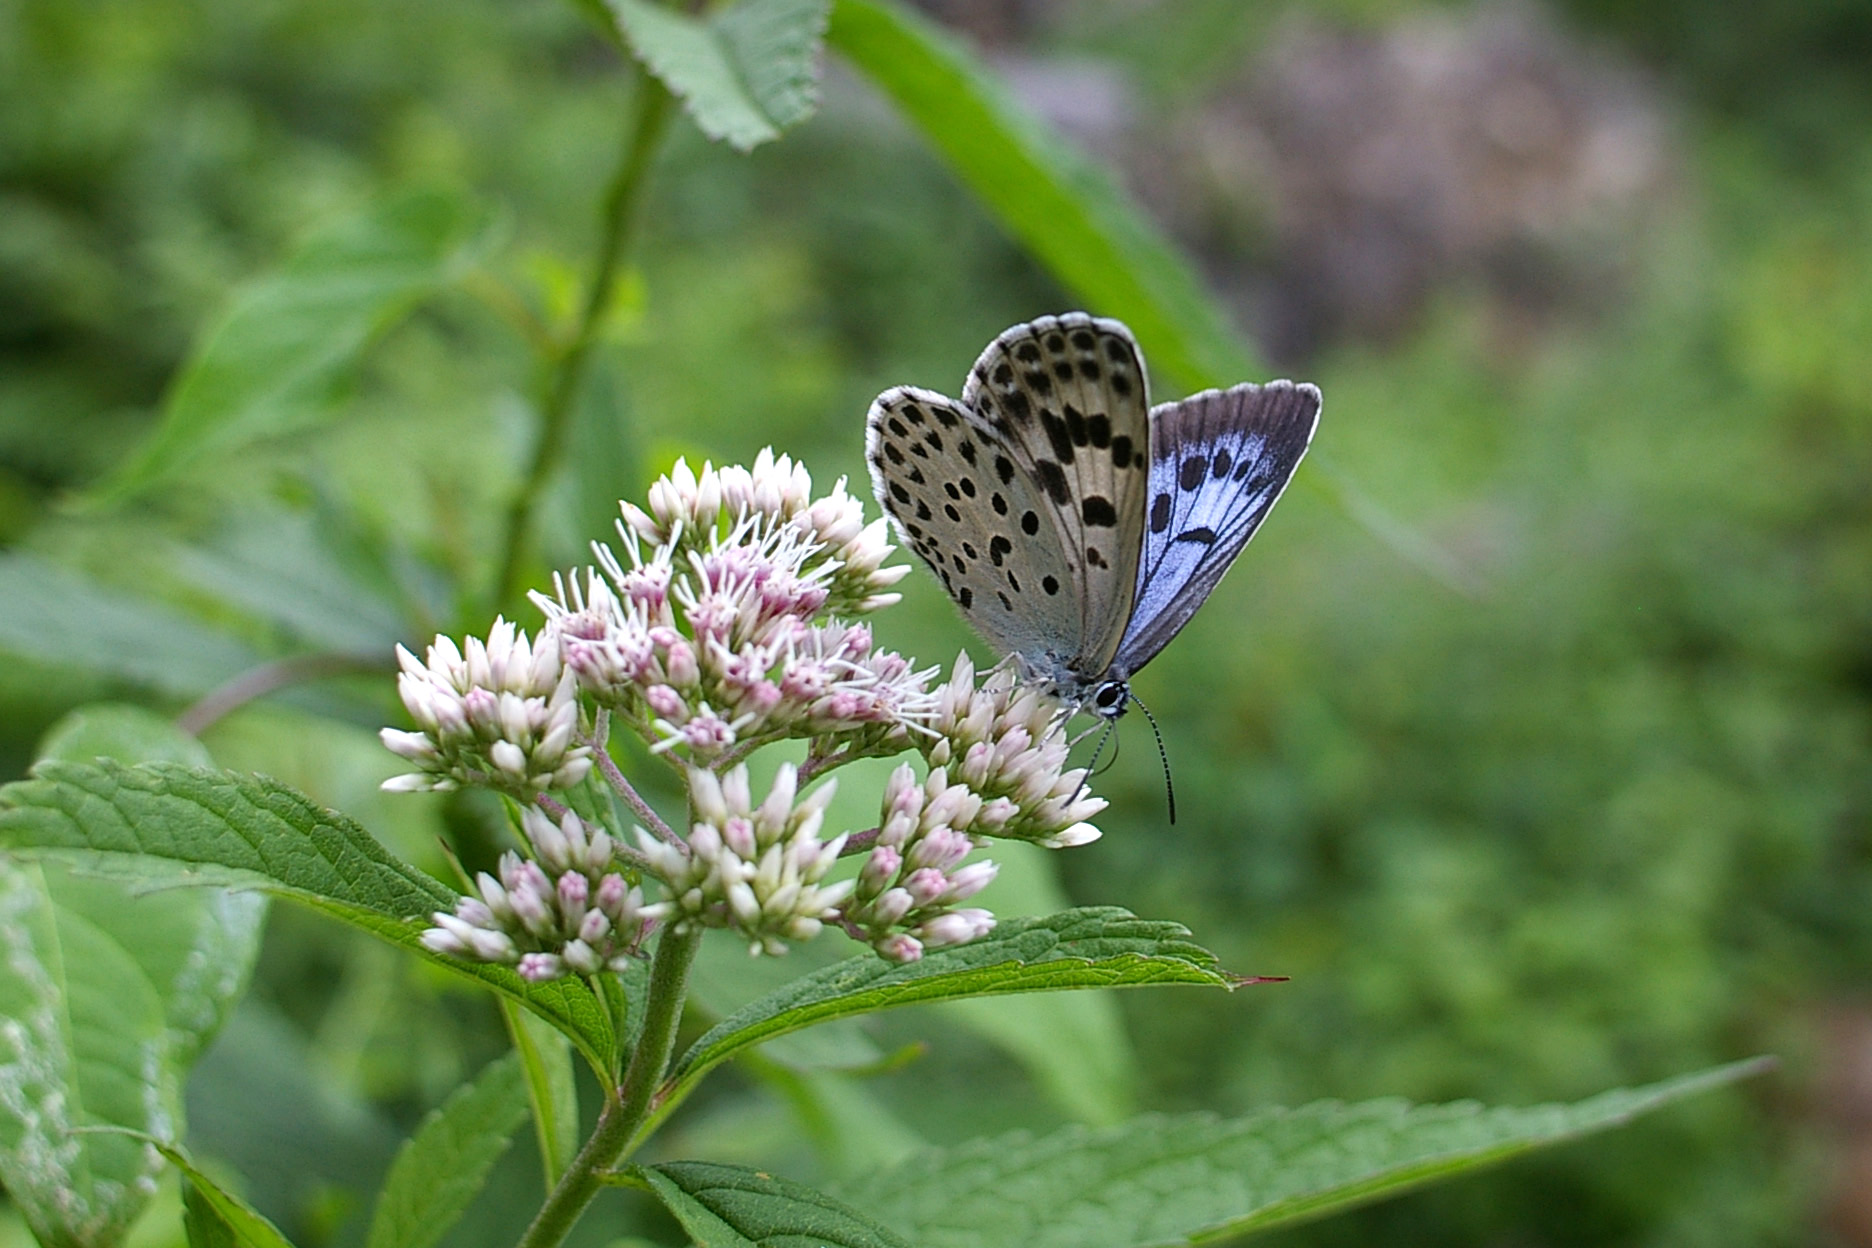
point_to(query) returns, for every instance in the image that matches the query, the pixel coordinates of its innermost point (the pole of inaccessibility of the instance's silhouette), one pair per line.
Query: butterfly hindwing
(946, 479)
(1219, 461)
(1066, 401)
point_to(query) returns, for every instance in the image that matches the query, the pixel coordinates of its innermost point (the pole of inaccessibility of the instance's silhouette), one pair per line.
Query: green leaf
(202, 1223)
(438, 1173)
(546, 1059)
(745, 74)
(1094, 947)
(112, 996)
(1177, 1180)
(734, 1207)
(268, 363)
(245, 1225)
(60, 617)
(187, 825)
(1065, 209)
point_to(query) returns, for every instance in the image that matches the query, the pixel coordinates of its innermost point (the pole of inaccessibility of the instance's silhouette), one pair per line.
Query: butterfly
(1077, 527)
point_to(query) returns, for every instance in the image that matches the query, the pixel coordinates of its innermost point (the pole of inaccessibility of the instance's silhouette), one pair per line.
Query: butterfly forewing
(946, 478)
(1219, 461)
(1065, 400)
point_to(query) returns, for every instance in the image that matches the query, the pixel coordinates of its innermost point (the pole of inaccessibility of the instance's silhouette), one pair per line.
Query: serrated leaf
(269, 360)
(745, 74)
(1066, 210)
(1167, 1181)
(438, 1173)
(734, 1207)
(109, 997)
(188, 825)
(1094, 947)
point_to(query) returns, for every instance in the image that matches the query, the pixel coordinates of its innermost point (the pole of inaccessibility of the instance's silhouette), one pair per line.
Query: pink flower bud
(879, 869)
(899, 947)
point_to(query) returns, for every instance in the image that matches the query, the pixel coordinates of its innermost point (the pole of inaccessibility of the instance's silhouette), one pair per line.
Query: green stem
(625, 1111)
(620, 215)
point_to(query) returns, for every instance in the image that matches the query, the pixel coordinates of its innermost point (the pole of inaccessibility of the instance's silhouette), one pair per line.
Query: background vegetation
(1577, 795)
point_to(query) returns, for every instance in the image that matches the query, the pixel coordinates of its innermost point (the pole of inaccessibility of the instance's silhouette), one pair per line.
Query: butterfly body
(1076, 527)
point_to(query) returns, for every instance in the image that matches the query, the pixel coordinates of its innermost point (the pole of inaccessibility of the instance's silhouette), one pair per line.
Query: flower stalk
(625, 1109)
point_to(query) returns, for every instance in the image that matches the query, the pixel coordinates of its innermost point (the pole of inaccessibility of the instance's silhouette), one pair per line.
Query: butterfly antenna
(1091, 768)
(1163, 756)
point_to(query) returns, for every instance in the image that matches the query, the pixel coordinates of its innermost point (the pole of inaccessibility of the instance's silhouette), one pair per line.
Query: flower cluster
(501, 714)
(565, 910)
(726, 623)
(1008, 744)
(905, 894)
(725, 633)
(756, 870)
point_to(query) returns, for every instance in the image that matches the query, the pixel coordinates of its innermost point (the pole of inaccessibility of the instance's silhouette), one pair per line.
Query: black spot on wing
(1050, 584)
(1194, 469)
(1030, 523)
(999, 548)
(1219, 466)
(1057, 435)
(1053, 481)
(966, 597)
(1201, 534)
(1076, 426)
(1160, 513)
(1098, 512)
(1004, 468)
(1121, 452)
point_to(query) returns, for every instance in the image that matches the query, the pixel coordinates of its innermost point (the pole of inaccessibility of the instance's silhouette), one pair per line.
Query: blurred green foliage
(1607, 819)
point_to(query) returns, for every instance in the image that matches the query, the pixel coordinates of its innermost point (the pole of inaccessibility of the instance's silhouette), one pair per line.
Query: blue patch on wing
(1219, 461)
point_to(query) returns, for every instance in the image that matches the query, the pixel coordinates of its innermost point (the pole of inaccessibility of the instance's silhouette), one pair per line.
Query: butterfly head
(1111, 699)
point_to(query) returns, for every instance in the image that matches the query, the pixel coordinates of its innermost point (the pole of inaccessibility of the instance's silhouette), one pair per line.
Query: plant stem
(267, 678)
(621, 785)
(620, 215)
(624, 1111)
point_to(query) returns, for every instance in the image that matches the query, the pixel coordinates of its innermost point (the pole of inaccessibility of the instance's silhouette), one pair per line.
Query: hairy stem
(619, 217)
(621, 785)
(626, 1109)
